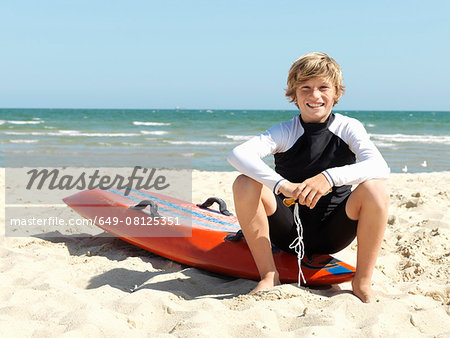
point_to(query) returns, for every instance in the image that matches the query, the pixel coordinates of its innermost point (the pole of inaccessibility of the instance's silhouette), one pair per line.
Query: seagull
(424, 164)
(405, 169)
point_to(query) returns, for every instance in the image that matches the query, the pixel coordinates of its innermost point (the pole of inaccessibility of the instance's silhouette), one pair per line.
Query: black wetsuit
(339, 148)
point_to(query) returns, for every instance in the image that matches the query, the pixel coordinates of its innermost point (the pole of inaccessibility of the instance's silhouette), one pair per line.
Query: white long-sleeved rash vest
(339, 148)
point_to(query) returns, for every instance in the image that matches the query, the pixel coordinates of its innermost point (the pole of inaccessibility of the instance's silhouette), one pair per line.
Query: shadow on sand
(187, 284)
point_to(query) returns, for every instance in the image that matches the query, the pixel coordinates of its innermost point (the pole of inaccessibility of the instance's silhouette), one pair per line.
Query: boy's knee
(375, 192)
(244, 183)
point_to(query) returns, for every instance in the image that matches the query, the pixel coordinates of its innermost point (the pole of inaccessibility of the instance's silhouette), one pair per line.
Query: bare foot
(362, 290)
(267, 282)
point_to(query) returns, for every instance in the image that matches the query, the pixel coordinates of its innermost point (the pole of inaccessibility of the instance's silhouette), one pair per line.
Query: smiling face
(315, 99)
(313, 79)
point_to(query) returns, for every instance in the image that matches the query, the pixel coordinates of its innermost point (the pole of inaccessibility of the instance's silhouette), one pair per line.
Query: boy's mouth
(315, 105)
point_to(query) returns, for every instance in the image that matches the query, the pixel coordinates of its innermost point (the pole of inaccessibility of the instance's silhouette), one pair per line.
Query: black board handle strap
(238, 236)
(222, 205)
(144, 203)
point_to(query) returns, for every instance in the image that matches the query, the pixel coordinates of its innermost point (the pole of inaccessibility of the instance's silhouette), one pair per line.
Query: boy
(315, 163)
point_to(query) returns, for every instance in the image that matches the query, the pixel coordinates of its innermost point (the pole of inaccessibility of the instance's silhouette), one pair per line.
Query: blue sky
(395, 55)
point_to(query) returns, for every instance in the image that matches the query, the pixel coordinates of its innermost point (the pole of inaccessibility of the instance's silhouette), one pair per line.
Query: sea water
(413, 141)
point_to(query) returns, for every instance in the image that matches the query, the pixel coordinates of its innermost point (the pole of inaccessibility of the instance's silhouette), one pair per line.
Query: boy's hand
(308, 192)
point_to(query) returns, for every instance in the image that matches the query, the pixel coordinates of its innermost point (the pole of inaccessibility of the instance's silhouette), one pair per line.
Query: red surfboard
(199, 237)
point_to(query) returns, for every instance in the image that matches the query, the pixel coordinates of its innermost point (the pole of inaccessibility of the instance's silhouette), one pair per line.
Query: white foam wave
(139, 123)
(129, 144)
(2, 122)
(71, 133)
(156, 132)
(25, 122)
(198, 143)
(24, 141)
(22, 133)
(68, 132)
(381, 144)
(98, 134)
(404, 138)
(238, 137)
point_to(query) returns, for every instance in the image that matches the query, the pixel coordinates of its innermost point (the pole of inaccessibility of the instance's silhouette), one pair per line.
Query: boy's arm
(370, 164)
(247, 158)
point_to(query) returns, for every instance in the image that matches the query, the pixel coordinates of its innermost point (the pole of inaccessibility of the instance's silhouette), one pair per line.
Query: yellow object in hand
(291, 201)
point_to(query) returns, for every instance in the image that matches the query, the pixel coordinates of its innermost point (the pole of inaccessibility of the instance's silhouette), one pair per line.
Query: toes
(365, 298)
(364, 295)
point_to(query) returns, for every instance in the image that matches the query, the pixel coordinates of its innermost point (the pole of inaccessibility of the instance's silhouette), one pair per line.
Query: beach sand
(100, 286)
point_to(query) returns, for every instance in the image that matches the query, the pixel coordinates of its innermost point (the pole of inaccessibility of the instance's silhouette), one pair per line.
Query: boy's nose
(316, 93)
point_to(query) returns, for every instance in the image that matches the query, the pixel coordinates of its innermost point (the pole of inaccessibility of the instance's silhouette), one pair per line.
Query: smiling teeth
(315, 105)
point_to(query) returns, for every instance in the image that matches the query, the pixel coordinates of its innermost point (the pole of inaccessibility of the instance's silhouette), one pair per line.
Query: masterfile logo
(53, 180)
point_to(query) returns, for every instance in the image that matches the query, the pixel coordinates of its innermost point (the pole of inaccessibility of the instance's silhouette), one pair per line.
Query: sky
(395, 55)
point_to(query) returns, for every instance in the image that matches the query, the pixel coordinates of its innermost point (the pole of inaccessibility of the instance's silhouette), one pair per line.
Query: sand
(100, 286)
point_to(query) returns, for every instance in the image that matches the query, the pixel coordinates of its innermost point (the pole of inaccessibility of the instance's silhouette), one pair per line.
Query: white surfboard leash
(298, 244)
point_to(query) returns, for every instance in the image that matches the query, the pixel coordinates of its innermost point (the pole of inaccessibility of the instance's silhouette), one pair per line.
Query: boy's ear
(336, 99)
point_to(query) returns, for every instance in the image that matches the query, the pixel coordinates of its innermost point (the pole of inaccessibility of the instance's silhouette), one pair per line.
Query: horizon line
(224, 109)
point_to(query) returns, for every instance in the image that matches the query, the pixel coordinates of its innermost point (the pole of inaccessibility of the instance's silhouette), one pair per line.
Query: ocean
(412, 141)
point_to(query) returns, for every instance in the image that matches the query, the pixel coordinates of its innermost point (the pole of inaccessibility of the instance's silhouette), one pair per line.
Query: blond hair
(314, 65)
